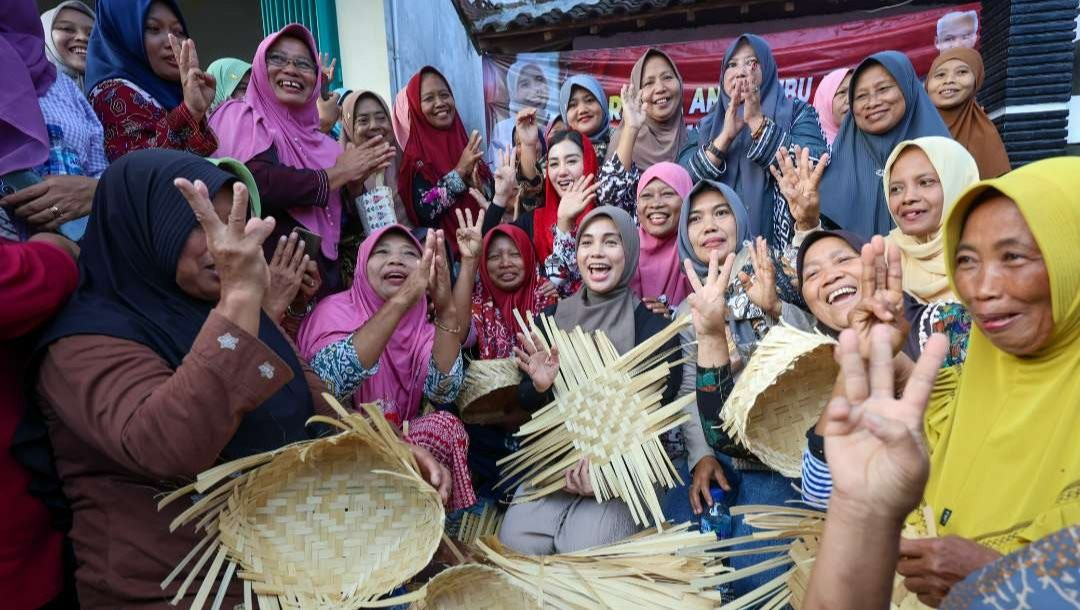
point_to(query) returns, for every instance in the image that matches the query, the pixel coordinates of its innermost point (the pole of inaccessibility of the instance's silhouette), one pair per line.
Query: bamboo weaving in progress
(607, 409)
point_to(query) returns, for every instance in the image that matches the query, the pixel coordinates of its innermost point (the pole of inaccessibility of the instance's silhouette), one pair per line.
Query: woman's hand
(309, 286)
(329, 111)
(706, 472)
(577, 479)
(328, 67)
(657, 307)
(874, 441)
(198, 86)
(733, 122)
(573, 203)
(751, 106)
(539, 365)
(436, 475)
(633, 108)
(469, 239)
(416, 285)
(505, 175)
(762, 287)
(799, 185)
(933, 565)
(358, 162)
(881, 297)
(470, 157)
(708, 304)
(528, 132)
(287, 268)
(548, 290)
(440, 288)
(52, 202)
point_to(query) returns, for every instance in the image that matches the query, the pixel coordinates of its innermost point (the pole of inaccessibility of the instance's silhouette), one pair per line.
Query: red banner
(803, 56)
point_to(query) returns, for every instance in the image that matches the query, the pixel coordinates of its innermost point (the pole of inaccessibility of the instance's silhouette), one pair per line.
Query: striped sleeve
(816, 480)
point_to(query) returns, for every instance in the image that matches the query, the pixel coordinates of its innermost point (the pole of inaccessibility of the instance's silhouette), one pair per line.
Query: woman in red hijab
(440, 161)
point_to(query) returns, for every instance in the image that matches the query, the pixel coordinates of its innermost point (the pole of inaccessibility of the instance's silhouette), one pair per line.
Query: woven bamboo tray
(489, 393)
(473, 587)
(607, 409)
(650, 570)
(336, 522)
(781, 524)
(780, 395)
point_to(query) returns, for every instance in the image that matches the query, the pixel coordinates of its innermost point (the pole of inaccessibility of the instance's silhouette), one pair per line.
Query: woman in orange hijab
(954, 79)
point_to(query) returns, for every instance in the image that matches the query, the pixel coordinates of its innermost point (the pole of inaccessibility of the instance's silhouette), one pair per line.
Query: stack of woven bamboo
(781, 524)
(651, 570)
(489, 391)
(331, 523)
(607, 409)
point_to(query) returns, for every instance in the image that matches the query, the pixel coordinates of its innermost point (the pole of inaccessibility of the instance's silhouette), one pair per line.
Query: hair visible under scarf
(823, 102)
(611, 312)
(851, 194)
(546, 216)
(228, 72)
(24, 141)
(656, 142)
(127, 285)
(403, 364)
(51, 52)
(750, 180)
(923, 260)
(968, 122)
(590, 84)
(116, 49)
(250, 126)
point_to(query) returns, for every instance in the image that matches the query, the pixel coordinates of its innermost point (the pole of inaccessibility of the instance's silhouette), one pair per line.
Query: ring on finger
(57, 212)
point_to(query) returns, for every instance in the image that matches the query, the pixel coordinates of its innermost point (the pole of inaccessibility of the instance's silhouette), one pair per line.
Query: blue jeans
(754, 487)
(676, 501)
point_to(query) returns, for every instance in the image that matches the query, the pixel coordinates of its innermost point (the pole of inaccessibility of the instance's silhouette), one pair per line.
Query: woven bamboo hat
(488, 386)
(330, 523)
(473, 586)
(780, 395)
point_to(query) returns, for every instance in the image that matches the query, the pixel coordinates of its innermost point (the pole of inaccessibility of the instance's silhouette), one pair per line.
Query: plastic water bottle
(716, 518)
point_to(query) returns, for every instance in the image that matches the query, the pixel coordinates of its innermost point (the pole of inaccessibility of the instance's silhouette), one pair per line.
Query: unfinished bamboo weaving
(780, 524)
(474, 586)
(330, 523)
(780, 395)
(489, 386)
(607, 409)
(650, 571)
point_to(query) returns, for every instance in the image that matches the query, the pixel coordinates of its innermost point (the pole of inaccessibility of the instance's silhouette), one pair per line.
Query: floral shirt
(133, 120)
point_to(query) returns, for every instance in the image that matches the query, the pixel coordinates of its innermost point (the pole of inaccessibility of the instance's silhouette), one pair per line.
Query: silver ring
(57, 212)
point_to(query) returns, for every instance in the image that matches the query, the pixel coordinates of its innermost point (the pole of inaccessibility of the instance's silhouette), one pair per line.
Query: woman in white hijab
(67, 34)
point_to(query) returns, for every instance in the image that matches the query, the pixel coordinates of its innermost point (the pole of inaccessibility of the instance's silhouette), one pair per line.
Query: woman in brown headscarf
(954, 79)
(364, 117)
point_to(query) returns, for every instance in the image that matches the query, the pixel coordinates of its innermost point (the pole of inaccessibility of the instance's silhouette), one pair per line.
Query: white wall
(429, 32)
(364, 54)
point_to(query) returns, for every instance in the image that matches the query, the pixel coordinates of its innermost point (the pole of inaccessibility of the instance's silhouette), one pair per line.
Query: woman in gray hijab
(67, 35)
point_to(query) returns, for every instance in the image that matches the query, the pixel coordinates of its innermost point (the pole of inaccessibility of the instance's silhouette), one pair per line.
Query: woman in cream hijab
(922, 179)
(67, 35)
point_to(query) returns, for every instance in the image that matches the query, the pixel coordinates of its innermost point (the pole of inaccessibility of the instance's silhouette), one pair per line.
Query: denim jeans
(754, 487)
(676, 501)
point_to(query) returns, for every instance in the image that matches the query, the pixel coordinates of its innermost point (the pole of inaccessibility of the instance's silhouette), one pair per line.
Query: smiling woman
(144, 81)
(67, 34)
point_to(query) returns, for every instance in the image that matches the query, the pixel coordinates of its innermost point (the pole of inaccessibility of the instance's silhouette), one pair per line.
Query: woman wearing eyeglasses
(300, 171)
(144, 81)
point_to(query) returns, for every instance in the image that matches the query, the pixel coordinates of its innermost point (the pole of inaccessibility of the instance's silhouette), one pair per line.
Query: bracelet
(439, 325)
(711, 148)
(300, 314)
(761, 128)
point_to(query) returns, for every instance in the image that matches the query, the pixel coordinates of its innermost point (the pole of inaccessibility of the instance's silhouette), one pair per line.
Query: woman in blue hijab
(144, 81)
(737, 143)
(584, 108)
(888, 106)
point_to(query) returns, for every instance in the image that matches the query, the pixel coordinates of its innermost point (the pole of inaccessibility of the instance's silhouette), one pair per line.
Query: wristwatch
(716, 152)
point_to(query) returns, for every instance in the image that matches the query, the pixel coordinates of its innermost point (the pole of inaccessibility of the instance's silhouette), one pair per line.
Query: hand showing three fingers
(198, 86)
(762, 287)
(469, 239)
(799, 185)
(881, 296)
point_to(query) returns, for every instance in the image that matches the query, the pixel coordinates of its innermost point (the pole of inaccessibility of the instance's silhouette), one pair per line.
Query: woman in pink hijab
(659, 280)
(831, 102)
(274, 130)
(374, 344)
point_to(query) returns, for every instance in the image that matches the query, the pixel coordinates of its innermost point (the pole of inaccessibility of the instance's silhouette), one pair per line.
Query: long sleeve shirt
(133, 120)
(804, 130)
(126, 427)
(35, 280)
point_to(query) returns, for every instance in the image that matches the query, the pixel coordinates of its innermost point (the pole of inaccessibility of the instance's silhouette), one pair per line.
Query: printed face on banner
(803, 56)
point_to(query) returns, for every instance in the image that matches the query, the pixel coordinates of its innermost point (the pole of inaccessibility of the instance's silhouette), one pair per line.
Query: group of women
(235, 263)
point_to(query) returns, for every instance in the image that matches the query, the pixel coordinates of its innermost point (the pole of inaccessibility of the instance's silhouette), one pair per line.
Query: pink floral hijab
(248, 127)
(403, 365)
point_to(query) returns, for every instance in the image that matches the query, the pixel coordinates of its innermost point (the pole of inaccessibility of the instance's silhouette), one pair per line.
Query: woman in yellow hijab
(1003, 436)
(923, 178)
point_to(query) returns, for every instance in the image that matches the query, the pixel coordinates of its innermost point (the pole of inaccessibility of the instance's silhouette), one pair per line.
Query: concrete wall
(429, 32)
(362, 38)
